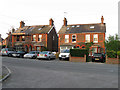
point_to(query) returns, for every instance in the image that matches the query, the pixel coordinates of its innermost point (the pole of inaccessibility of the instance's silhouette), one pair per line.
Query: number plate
(96, 58)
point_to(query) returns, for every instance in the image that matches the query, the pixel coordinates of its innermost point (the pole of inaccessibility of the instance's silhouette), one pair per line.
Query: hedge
(111, 54)
(78, 52)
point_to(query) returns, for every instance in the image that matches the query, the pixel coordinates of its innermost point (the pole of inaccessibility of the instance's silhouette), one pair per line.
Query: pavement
(32, 73)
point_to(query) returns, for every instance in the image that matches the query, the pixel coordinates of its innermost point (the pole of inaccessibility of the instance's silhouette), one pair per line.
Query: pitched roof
(37, 29)
(83, 28)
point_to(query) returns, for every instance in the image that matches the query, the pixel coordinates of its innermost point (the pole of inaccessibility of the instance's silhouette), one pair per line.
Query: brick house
(77, 35)
(36, 37)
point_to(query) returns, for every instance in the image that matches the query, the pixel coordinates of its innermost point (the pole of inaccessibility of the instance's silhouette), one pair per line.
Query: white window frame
(95, 36)
(74, 38)
(66, 38)
(87, 36)
(40, 36)
(34, 36)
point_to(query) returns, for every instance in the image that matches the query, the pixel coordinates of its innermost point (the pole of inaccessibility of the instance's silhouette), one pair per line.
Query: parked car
(64, 54)
(46, 55)
(31, 54)
(98, 57)
(7, 52)
(19, 54)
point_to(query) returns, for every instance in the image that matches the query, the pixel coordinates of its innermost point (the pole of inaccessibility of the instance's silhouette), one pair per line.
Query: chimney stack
(102, 20)
(65, 21)
(22, 24)
(13, 30)
(51, 22)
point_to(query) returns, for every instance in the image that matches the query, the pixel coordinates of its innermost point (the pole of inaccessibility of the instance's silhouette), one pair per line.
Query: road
(31, 73)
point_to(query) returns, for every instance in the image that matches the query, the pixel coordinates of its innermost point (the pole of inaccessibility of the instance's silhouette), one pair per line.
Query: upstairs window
(95, 38)
(18, 38)
(66, 38)
(23, 38)
(87, 38)
(73, 38)
(34, 38)
(40, 38)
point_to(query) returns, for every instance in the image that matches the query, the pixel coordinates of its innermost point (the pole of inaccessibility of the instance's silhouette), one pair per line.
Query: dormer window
(92, 27)
(68, 28)
(21, 30)
(39, 28)
(78, 26)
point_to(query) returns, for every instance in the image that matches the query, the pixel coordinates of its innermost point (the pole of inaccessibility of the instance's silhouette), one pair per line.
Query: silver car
(31, 54)
(46, 55)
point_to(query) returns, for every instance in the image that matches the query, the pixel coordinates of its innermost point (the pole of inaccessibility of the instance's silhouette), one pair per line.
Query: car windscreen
(65, 51)
(97, 54)
(20, 52)
(43, 52)
(9, 49)
(31, 52)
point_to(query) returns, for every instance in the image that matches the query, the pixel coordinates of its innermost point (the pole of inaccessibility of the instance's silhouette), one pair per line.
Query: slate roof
(37, 29)
(83, 28)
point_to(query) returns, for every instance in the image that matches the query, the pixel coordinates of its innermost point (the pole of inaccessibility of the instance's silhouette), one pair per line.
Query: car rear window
(97, 54)
(43, 52)
(31, 52)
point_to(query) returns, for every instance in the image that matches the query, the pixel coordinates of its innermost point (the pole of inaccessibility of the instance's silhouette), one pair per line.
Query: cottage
(36, 37)
(77, 35)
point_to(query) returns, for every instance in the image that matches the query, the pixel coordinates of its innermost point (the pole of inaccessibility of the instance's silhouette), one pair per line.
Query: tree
(113, 43)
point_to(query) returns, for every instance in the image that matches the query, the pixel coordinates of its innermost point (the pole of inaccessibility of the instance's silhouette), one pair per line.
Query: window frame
(23, 38)
(95, 41)
(67, 38)
(40, 38)
(74, 38)
(33, 37)
(86, 38)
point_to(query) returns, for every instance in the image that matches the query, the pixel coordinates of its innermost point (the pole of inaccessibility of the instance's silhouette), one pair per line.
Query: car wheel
(60, 58)
(9, 55)
(93, 60)
(49, 58)
(21, 56)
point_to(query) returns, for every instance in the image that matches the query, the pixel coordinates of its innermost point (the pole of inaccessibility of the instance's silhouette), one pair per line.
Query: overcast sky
(38, 12)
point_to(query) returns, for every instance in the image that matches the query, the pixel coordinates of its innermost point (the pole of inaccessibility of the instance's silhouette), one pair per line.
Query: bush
(118, 53)
(111, 54)
(78, 52)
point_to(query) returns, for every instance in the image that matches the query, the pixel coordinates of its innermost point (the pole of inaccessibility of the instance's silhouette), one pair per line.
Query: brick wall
(112, 60)
(77, 59)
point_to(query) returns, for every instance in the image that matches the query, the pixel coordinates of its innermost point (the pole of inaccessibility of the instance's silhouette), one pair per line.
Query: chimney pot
(102, 19)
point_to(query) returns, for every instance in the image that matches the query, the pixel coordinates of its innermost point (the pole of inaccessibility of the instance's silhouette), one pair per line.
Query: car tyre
(21, 56)
(49, 58)
(9, 55)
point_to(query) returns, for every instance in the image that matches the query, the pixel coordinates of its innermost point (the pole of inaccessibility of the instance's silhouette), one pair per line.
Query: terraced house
(77, 35)
(36, 37)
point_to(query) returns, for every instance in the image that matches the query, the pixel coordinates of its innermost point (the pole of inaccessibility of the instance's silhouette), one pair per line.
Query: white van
(64, 54)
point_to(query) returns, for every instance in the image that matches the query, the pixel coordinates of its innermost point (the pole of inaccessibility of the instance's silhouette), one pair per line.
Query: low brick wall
(77, 59)
(112, 60)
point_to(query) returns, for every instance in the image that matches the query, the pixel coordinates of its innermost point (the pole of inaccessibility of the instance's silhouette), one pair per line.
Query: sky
(38, 12)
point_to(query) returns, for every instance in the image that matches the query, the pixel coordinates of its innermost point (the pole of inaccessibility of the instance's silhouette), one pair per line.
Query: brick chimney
(65, 21)
(13, 30)
(51, 22)
(22, 24)
(102, 20)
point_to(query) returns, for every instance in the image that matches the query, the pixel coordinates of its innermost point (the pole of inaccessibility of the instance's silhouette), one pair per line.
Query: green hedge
(78, 52)
(111, 54)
